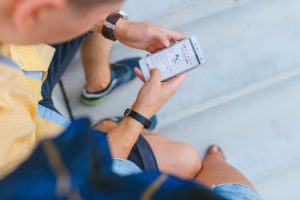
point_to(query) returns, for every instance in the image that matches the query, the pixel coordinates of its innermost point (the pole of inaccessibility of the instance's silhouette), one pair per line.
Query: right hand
(146, 36)
(154, 94)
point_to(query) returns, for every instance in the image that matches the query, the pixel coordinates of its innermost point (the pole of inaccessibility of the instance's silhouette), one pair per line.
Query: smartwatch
(109, 26)
(138, 117)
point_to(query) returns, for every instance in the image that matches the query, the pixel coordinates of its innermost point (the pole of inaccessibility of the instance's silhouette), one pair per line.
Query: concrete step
(259, 132)
(176, 13)
(172, 13)
(283, 184)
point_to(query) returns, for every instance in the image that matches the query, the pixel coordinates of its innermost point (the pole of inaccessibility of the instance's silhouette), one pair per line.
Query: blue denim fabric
(235, 191)
(124, 167)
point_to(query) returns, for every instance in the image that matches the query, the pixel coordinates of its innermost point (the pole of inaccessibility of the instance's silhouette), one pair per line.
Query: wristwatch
(109, 26)
(138, 117)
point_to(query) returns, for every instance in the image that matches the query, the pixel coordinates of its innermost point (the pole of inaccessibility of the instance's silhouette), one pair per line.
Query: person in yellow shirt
(27, 114)
(24, 122)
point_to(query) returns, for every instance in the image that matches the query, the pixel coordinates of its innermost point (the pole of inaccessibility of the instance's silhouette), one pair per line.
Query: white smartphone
(179, 58)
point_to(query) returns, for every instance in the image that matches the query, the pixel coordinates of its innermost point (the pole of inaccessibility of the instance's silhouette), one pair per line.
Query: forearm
(122, 138)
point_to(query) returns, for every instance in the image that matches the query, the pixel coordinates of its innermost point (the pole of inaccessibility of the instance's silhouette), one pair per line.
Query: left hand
(146, 36)
(154, 93)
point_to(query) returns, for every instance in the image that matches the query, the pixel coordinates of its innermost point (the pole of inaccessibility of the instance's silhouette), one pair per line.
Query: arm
(150, 99)
(154, 94)
(142, 35)
(122, 138)
(146, 36)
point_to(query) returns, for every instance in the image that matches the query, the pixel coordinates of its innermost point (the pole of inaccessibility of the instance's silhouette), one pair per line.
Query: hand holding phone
(179, 58)
(154, 93)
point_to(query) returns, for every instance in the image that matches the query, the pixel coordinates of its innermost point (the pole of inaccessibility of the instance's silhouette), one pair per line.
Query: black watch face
(127, 112)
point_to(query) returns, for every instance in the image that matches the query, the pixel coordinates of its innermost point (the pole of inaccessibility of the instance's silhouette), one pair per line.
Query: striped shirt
(23, 122)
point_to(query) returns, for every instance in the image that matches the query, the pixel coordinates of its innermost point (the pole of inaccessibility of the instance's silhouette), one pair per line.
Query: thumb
(155, 75)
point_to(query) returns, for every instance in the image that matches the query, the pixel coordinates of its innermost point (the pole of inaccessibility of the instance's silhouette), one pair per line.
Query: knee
(189, 160)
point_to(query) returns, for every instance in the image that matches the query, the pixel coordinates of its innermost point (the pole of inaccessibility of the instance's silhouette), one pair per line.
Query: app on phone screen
(180, 57)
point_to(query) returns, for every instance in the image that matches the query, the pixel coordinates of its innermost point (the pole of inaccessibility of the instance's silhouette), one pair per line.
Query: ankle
(102, 85)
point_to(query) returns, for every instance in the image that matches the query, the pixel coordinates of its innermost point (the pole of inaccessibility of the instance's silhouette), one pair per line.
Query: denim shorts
(230, 191)
(234, 191)
(124, 167)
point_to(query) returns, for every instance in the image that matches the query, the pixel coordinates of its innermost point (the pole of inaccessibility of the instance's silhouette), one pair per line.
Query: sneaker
(121, 73)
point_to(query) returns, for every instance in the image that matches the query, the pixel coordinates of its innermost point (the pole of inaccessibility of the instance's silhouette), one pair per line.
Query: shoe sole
(91, 103)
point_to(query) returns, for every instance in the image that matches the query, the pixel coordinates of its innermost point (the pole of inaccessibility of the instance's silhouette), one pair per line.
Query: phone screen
(178, 58)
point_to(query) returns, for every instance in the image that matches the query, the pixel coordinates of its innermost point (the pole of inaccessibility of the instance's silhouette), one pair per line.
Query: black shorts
(141, 154)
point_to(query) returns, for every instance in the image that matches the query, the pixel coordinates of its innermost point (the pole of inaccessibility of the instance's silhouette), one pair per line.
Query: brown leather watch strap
(108, 30)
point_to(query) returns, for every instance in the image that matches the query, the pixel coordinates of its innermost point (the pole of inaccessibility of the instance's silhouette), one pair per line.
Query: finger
(139, 74)
(155, 75)
(151, 49)
(156, 47)
(175, 36)
(165, 42)
(173, 84)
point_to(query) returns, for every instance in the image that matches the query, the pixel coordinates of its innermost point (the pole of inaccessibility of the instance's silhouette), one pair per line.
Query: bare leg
(173, 158)
(217, 171)
(95, 53)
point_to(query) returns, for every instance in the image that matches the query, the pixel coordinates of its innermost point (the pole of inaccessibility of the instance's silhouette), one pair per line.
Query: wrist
(121, 27)
(131, 124)
(143, 110)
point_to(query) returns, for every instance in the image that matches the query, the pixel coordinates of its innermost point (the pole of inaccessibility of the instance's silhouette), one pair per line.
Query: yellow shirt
(23, 122)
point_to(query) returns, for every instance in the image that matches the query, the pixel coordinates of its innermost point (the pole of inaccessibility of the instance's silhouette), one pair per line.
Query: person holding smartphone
(24, 62)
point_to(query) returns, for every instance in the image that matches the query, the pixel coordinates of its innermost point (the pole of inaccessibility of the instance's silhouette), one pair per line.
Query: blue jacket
(77, 165)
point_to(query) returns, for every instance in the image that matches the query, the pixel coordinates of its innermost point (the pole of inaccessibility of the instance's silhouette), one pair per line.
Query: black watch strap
(108, 30)
(138, 117)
